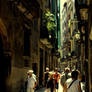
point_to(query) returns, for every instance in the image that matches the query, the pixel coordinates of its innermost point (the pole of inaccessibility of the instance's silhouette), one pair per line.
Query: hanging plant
(49, 20)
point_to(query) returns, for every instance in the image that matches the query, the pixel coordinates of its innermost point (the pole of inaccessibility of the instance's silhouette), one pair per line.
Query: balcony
(48, 39)
(46, 43)
(47, 28)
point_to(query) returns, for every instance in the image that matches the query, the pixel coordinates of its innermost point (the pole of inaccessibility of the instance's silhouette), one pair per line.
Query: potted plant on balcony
(48, 22)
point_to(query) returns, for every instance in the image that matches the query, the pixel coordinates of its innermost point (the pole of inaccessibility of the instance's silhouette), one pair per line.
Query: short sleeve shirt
(57, 77)
(73, 87)
(31, 82)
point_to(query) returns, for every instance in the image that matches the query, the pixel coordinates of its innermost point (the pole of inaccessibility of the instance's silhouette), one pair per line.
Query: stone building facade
(19, 39)
(90, 45)
(21, 48)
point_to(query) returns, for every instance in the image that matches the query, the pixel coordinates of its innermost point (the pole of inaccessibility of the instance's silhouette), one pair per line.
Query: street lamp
(69, 54)
(84, 14)
(77, 35)
(50, 36)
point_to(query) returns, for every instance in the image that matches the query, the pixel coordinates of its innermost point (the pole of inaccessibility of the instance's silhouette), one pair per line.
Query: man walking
(56, 77)
(72, 84)
(31, 82)
(46, 79)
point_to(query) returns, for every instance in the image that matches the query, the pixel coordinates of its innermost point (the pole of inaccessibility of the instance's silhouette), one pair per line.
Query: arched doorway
(5, 58)
(2, 66)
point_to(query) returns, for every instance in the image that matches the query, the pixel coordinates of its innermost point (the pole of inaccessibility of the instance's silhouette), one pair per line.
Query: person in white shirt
(31, 82)
(72, 84)
(34, 76)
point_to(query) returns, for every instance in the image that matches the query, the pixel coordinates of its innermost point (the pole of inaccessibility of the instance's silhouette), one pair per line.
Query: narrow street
(39, 36)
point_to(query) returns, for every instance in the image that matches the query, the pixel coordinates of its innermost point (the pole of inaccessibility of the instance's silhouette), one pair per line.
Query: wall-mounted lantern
(77, 35)
(84, 14)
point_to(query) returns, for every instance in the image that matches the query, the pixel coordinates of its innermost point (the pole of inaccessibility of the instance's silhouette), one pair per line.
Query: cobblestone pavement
(44, 89)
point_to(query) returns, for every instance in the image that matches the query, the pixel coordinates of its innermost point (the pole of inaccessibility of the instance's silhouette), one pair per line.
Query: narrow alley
(39, 36)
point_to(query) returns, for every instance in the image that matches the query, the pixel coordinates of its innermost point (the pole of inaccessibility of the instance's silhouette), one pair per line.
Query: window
(26, 42)
(35, 24)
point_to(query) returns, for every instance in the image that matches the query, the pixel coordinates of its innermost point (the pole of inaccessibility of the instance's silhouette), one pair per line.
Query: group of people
(71, 81)
(51, 80)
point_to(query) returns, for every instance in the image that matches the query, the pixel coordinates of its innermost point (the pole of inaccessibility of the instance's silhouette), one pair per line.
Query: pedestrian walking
(83, 87)
(31, 82)
(81, 77)
(26, 82)
(66, 75)
(52, 82)
(56, 77)
(72, 84)
(46, 79)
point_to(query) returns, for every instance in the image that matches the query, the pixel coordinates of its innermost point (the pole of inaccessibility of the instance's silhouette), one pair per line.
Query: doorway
(35, 68)
(41, 68)
(5, 67)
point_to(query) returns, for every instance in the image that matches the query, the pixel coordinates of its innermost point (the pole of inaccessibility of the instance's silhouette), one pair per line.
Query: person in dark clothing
(52, 83)
(46, 77)
(56, 77)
